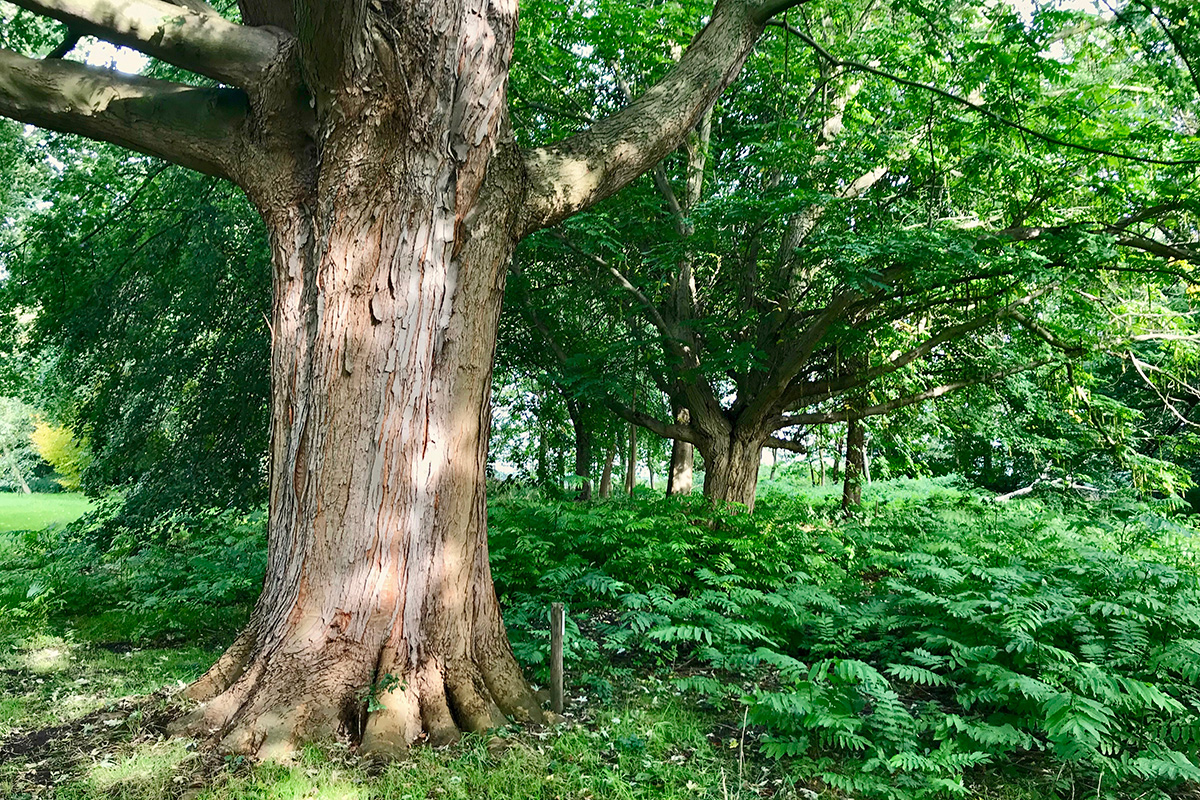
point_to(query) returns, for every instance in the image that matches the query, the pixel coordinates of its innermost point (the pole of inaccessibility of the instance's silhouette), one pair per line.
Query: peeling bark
(388, 283)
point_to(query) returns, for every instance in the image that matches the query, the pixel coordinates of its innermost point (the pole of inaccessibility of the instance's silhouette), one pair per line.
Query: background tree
(17, 456)
(888, 246)
(151, 290)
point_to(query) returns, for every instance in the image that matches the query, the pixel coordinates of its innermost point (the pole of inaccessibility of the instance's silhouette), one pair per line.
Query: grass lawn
(26, 512)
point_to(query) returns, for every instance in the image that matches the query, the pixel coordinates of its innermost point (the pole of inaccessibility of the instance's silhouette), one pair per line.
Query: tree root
(265, 708)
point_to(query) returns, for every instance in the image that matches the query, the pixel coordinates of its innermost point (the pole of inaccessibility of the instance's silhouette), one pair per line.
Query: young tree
(374, 140)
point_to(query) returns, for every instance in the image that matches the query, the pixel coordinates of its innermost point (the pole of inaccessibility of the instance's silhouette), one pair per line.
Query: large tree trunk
(683, 456)
(387, 288)
(731, 469)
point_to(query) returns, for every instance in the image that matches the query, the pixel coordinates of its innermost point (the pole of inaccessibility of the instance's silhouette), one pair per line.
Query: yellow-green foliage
(62, 450)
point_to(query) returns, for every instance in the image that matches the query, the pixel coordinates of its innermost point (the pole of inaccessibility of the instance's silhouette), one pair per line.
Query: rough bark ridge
(731, 468)
(384, 327)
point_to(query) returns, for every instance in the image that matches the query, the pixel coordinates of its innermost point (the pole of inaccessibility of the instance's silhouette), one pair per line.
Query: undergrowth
(939, 645)
(901, 655)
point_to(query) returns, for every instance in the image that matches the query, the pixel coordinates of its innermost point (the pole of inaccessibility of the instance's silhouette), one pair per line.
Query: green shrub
(186, 575)
(894, 656)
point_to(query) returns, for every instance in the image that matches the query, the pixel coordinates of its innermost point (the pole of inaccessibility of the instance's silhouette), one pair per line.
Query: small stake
(558, 624)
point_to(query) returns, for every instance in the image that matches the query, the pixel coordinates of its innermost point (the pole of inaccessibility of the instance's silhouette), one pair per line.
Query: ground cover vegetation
(942, 644)
(936, 259)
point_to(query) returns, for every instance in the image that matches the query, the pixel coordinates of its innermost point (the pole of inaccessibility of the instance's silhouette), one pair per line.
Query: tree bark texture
(683, 455)
(387, 283)
(731, 469)
(855, 465)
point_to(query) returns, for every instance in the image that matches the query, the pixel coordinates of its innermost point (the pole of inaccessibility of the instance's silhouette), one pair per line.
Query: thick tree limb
(677, 341)
(785, 368)
(1046, 335)
(200, 42)
(1064, 483)
(68, 44)
(578, 172)
(821, 418)
(666, 430)
(193, 127)
(280, 13)
(786, 444)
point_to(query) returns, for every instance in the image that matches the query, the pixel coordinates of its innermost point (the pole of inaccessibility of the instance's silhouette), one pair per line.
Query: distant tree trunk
(606, 476)
(543, 452)
(683, 456)
(866, 450)
(855, 460)
(11, 458)
(560, 466)
(774, 461)
(821, 454)
(583, 451)
(731, 469)
(631, 461)
(836, 469)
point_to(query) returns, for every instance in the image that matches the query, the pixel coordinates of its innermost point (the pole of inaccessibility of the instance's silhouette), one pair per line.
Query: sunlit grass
(32, 512)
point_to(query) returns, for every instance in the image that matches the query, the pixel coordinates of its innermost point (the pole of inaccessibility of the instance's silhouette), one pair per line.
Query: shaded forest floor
(85, 719)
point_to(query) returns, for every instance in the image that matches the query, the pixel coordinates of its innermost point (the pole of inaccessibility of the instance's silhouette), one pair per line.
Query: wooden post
(558, 624)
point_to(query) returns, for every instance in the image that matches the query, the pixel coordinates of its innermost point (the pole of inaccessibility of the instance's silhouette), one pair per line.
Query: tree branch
(193, 127)
(979, 109)
(203, 43)
(1046, 335)
(819, 391)
(684, 433)
(67, 45)
(821, 418)
(576, 173)
(786, 444)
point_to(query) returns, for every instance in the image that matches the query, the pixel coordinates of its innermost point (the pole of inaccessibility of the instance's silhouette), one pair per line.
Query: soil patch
(48, 756)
